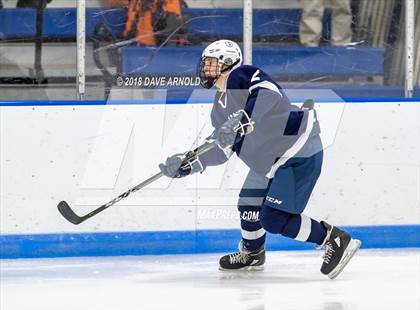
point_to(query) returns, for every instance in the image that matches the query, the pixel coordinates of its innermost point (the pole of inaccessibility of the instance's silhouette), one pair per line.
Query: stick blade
(65, 210)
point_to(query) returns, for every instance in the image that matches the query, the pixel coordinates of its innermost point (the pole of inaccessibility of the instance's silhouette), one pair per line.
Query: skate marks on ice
(374, 279)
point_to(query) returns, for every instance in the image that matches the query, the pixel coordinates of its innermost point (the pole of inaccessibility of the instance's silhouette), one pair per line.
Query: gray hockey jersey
(281, 130)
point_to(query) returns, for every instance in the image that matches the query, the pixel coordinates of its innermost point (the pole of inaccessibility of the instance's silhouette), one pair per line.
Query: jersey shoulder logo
(255, 76)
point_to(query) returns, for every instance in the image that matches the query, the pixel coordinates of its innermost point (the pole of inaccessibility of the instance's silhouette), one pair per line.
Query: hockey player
(280, 143)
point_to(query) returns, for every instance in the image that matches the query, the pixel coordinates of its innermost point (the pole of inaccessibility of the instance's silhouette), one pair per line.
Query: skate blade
(247, 268)
(352, 248)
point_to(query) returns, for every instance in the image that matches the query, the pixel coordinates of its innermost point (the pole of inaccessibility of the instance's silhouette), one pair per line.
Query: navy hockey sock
(253, 234)
(296, 226)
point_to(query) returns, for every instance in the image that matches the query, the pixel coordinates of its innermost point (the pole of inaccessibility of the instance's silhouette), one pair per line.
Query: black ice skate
(339, 249)
(243, 260)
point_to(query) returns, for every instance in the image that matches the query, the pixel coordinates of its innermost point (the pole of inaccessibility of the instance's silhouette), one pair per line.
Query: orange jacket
(142, 11)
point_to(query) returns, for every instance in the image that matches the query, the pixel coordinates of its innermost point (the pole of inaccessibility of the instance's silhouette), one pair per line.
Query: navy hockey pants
(276, 205)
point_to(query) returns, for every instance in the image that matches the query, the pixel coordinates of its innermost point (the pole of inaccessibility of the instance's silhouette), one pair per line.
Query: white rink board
(89, 154)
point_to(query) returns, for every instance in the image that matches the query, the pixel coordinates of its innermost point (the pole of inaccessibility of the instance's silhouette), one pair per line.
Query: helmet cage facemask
(222, 66)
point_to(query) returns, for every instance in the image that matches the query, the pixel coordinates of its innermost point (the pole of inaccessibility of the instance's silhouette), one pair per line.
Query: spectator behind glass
(152, 22)
(311, 22)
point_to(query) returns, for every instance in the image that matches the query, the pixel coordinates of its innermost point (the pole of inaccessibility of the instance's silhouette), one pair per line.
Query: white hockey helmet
(228, 55)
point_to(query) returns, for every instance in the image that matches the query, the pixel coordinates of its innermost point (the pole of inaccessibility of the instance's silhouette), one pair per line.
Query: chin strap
(229, 67)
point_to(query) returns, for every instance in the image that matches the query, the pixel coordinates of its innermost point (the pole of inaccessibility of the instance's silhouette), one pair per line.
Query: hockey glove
(181, 165)
(238, 125)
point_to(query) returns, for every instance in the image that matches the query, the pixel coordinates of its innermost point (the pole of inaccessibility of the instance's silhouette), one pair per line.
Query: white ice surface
(374, 279)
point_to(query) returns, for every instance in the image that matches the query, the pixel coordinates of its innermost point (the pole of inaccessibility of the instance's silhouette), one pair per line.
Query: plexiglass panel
(354, 47)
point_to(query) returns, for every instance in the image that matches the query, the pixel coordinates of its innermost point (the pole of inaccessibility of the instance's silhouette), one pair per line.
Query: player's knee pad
(279, 222)
(272, 220)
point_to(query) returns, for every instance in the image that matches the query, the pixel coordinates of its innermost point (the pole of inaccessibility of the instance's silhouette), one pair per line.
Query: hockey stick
(68, 213)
